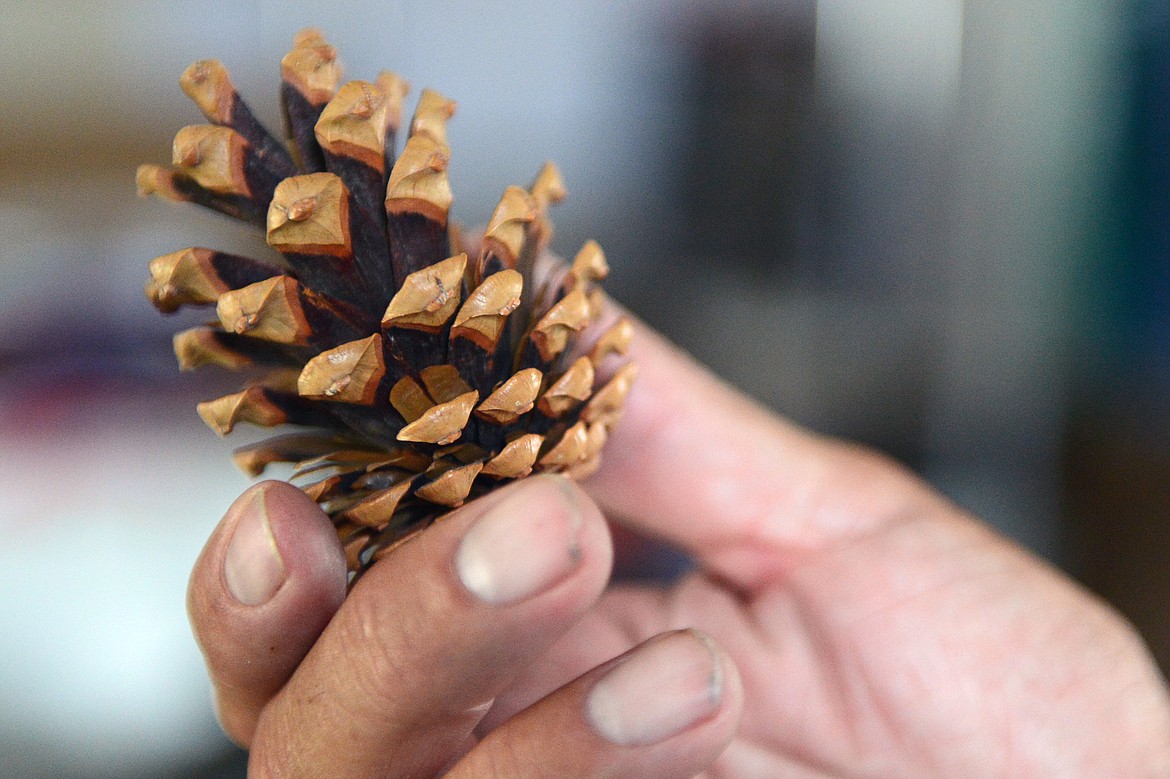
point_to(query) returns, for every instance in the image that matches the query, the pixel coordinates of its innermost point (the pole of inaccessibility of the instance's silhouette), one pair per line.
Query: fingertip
(528, 537)
(268, 581)
(253, 567)
(272, 538)
(731, 708)
(307, 542)
(594, 533)
(666, 709)
(679, 710)
(670, 684)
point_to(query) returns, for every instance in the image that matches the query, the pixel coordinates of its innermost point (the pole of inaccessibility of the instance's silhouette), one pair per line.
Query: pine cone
(426, 376)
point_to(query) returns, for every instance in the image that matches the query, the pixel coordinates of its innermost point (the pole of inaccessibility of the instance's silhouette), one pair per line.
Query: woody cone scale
(419, 372)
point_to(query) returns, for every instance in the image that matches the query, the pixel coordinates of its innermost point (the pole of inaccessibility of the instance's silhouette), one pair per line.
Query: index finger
(701, 466)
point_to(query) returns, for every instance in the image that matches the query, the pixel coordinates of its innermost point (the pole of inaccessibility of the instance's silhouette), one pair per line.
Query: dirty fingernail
(661, 689)
(253, 568)
(523, 545)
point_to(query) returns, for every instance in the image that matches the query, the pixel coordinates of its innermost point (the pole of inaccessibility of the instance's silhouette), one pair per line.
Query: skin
(878, 630)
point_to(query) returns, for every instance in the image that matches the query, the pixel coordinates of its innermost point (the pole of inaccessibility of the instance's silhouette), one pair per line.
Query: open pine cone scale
(426, 370)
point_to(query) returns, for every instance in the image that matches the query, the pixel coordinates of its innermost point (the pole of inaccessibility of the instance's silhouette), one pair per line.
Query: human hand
(878, 631)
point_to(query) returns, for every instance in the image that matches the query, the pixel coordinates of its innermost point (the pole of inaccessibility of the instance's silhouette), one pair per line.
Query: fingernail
(522, 545)
(252, 566)
(661, 689)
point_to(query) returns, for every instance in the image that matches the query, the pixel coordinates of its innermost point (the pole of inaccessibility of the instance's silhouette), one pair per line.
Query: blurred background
(936, 226)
